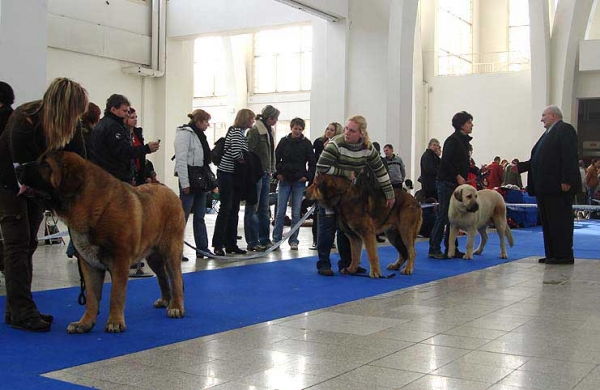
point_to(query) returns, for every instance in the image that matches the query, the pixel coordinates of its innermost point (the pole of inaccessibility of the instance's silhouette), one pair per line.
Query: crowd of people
(63, 120)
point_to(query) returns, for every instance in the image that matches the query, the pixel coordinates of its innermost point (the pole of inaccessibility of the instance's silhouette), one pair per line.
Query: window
(519, 52)
(455, 37)
(282, 128)
(283, 60)
(209, 67)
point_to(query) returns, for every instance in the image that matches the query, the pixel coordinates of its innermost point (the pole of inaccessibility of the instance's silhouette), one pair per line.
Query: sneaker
(294, 247)
(437, 255)
(256, 248)
(267, 245)
(325, 272)
(313, 247)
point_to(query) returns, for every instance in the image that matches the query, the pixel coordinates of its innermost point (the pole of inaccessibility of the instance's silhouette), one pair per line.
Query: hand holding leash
(390, 203)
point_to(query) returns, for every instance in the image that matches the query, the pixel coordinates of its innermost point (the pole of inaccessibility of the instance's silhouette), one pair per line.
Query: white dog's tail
(509, 236)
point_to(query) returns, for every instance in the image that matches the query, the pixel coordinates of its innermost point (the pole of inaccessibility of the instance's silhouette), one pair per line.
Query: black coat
(246, 177)
(295, 159)
(455, 157)
(430, 164)
(112, 148)
(554, 160)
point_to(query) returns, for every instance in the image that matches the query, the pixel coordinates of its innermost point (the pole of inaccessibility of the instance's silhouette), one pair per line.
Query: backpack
(219, 150)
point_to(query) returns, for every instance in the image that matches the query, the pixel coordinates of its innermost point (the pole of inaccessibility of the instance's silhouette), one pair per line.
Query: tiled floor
(521, 325)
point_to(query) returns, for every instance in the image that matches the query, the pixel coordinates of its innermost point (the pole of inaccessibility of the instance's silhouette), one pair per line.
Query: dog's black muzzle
(473, 208)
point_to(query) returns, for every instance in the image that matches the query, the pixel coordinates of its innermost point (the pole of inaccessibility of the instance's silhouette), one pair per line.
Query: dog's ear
(458, 194)
(67, 175)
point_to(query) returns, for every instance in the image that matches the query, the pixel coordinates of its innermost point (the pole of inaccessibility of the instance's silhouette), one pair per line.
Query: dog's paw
(160, 303)
(503, 256)
(393, 266)
(407, 271)
(375, 274)
(478, 252)
(467, 256)
(175, 312)
(115, 327)
(451, 254)
(79, 327)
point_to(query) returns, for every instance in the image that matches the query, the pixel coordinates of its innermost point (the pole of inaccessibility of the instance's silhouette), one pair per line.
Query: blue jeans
(198, 203)
(256, 216)
(284, 191)
(326, 231)
(444, 192)
(590, 193)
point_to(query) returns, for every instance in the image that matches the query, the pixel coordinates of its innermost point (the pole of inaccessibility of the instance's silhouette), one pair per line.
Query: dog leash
(274, 247)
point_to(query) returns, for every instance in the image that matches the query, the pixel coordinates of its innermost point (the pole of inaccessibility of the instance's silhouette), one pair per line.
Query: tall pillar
(570, 25)
(539, 37)
(400, 118)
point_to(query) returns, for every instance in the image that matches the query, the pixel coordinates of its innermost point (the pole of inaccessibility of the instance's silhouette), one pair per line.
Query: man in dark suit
(554, 179)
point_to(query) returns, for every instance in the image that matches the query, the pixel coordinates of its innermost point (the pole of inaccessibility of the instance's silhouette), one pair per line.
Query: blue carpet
(226, 299)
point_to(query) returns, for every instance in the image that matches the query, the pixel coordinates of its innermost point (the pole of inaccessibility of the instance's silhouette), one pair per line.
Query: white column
(173, 96)
(400, 123)
(539, 36)
(23, 47)
(570, 25)
(328, 93)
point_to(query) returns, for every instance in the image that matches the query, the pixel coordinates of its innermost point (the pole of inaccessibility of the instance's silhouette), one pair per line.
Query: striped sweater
(235, 145)
(340, 158)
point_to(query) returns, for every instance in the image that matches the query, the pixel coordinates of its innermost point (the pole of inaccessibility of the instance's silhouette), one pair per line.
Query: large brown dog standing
(113, 225)
(363, 213)
(472, 210)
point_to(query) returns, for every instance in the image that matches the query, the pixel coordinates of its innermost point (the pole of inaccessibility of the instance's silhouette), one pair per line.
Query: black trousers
(20, 219)
(556, 213)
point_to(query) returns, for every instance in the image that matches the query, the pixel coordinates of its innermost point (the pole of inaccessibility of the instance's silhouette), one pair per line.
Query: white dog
(471, 210)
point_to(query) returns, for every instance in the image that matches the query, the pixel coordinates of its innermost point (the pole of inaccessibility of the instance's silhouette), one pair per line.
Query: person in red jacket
(496, 174)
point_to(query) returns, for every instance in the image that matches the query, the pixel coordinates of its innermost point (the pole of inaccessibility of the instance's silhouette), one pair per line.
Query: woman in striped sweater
(225, 234)
(346, 155)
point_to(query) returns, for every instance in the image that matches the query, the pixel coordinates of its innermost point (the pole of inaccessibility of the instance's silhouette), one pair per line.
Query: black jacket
(5, 112)
(554, 160)
(455, 157)
(112, 148)
(292, 157)
(430, 164)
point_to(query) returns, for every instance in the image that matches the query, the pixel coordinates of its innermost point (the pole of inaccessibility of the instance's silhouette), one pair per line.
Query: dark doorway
(588, 129)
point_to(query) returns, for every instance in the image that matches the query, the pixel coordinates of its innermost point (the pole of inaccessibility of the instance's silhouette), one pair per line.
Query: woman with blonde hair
(32, 130)
(346, 155)
(225, 233)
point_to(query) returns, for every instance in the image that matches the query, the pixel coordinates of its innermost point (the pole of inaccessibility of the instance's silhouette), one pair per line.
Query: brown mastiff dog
(113, 225)
(472, 210)
(362, 214)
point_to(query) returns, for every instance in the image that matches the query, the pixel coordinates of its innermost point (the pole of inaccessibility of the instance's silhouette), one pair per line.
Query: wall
(23, 50)
(500, 104)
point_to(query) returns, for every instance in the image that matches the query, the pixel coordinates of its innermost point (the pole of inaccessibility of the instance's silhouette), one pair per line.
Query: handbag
(202, 179)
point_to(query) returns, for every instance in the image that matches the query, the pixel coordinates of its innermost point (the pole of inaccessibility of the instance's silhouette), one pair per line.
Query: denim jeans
(20, 219)
(590, 193)
(256, 217)
(198, 203)
(444, 192)
(327, 228)
(225, 234)
(285, 190)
